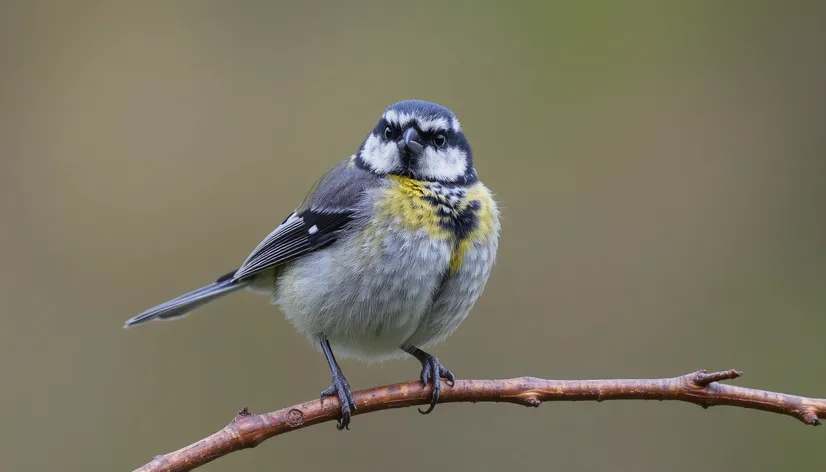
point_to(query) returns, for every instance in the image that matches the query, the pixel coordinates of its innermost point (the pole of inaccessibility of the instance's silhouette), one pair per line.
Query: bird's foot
(432, 368)
(341, 389)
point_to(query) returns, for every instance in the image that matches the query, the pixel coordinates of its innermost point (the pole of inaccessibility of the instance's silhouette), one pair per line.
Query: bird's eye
(440, 140)
(388, 132)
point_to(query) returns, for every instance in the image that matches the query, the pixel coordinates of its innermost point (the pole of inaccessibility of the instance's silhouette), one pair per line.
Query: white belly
(367, 293)
(458, 295)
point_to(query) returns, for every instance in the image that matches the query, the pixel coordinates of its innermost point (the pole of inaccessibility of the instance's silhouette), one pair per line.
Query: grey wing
(330, 207)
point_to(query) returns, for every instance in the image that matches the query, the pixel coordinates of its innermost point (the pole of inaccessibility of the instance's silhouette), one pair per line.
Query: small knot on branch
(531, 399)
(295, 418)
(245, 427)
(703, 379)
(244, 412)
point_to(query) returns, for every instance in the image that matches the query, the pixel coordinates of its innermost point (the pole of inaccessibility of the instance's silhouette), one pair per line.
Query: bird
(385, 256)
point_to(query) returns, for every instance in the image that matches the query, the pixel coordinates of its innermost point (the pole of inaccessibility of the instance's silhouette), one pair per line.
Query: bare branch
(701, 388)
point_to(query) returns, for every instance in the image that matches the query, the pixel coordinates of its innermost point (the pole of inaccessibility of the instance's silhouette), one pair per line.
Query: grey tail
(181, 306)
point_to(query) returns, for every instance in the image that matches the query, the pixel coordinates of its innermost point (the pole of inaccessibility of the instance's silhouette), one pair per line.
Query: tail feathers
(183, 305)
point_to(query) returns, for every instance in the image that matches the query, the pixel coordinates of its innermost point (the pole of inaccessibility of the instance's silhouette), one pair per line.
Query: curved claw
(437, 387)
(341, 389)
(432, 368)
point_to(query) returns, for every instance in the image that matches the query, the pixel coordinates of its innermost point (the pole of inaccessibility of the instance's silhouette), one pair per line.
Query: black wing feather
(300, 234)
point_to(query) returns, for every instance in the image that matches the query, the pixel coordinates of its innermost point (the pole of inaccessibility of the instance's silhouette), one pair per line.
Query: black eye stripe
(381, 130)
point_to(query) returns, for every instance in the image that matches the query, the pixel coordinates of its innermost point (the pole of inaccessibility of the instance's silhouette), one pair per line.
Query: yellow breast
(461, 215)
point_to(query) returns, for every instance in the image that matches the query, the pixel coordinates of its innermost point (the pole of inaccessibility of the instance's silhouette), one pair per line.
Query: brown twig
(701, 388)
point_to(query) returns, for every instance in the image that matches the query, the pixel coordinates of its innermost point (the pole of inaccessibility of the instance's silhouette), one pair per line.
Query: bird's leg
(431, 368)
(339, 388)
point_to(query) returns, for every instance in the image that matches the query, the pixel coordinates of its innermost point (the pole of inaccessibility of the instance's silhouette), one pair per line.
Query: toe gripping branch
(339, 388)
(431, 369)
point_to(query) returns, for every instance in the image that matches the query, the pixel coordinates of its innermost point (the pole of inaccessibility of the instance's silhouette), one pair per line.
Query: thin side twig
(702, 388)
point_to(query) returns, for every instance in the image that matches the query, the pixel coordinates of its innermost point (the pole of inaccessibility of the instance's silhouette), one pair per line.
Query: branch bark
(701, 388)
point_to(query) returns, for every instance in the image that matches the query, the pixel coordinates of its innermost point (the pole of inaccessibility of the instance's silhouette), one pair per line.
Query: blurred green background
(661, 171)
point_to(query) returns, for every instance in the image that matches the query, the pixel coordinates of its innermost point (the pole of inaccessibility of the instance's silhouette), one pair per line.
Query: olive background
(660, 168)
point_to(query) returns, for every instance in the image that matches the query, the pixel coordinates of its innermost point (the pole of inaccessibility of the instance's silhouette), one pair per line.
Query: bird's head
(420, 140)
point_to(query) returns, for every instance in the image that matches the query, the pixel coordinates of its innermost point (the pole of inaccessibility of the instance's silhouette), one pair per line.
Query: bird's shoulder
(340, 188)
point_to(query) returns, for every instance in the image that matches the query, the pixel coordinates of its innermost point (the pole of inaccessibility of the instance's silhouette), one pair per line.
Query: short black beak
(412, 142)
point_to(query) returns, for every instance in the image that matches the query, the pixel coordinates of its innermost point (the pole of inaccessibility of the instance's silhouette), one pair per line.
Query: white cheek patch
(380, 156)
(446, 164)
